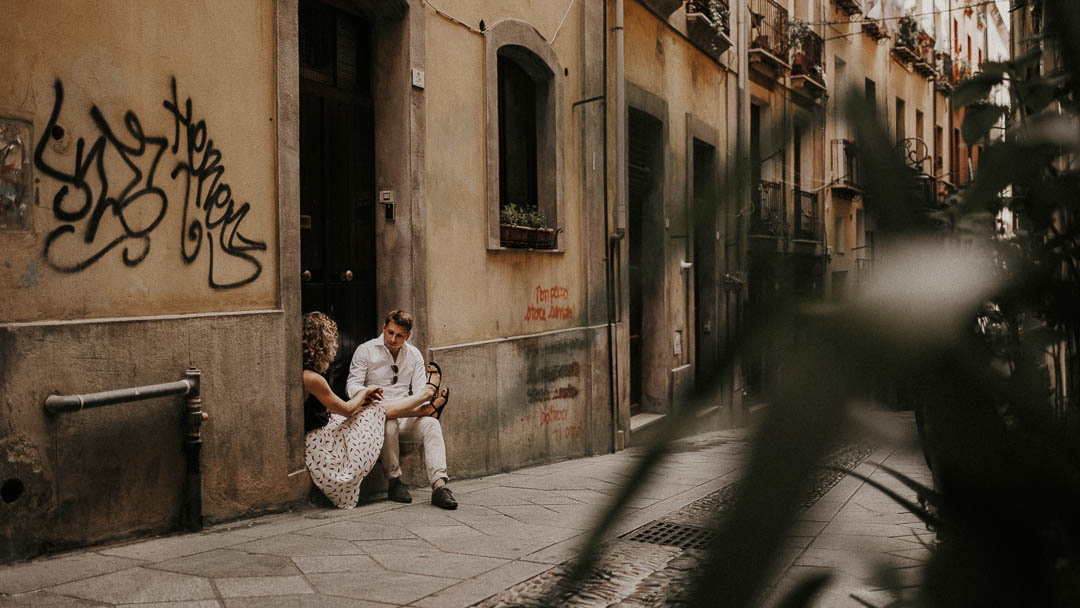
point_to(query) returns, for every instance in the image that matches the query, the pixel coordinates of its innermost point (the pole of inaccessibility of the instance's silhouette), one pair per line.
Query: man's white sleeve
(357, 372)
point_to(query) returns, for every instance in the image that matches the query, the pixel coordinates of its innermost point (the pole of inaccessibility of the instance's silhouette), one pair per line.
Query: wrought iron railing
(807, 216)
(769, 210)
(769, 27)
(846, 161)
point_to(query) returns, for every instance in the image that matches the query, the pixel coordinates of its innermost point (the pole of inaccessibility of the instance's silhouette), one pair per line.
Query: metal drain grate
(675, 535)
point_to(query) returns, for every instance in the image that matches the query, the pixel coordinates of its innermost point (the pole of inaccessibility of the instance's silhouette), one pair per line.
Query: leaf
(978, 119)
(975, 89)
(1040, 93)
(803, 594)
(915, 509)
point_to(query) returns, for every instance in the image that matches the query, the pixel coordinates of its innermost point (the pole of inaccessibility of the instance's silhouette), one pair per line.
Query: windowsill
(526, 250)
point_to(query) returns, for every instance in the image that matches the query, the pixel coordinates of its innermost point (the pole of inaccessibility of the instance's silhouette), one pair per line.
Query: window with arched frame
(522, 82)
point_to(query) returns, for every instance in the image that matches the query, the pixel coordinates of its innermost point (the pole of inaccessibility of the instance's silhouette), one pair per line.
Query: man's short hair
(399, 317)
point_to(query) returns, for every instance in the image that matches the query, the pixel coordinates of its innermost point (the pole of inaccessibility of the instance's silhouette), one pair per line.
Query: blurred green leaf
(975, 89)
(803, 594)
(978, 119)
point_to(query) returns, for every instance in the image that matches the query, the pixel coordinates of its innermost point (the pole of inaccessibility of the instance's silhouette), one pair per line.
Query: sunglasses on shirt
(393, 368)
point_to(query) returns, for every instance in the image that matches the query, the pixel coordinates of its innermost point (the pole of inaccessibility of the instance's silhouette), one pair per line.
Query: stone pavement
(510, 528)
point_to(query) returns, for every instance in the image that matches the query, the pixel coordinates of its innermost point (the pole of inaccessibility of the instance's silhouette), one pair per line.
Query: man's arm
(419, 377)
(357, 372)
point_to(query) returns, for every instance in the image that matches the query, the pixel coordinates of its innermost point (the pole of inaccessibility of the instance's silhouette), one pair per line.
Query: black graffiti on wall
(84, 197)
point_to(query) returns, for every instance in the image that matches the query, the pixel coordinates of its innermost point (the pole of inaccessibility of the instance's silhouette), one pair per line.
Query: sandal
(445, 396)
(430, 372)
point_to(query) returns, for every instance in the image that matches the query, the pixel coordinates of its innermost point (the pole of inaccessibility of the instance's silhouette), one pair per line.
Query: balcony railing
(845, 158)
(944, 67)
(807, 216)
(808, 59)
(769, 210)
(850, 7)
(769, 29)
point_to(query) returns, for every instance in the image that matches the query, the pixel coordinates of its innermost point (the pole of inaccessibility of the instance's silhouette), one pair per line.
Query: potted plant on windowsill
(525, 228)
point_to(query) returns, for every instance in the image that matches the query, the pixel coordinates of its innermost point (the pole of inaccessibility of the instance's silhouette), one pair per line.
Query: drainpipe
(620, 125)
(609, 270)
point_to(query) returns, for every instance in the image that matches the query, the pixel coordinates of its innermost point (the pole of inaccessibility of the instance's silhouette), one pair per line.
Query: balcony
(845, 159)
(807, 216)
(849, 7)
(708, 26)
(807, 63)
(944, 68)
(663, 8)
(768, 34)
(875, 29)
(768, 215)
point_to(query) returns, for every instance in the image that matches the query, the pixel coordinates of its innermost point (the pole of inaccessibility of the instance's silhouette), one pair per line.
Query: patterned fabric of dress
(341, 454)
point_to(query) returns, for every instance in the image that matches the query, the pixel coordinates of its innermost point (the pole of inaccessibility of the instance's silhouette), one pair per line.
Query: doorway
(337, 168)
(644, 220)
(706, 236)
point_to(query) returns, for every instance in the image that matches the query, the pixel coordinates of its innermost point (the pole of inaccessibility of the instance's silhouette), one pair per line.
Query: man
(391, 362)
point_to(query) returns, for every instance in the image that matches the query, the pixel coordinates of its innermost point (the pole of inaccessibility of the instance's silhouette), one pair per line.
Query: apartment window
(939, 136)
(899, 119)
(919, 124)
(522, 84)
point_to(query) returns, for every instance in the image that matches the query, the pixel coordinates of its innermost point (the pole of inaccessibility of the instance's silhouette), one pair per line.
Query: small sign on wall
(16, 193)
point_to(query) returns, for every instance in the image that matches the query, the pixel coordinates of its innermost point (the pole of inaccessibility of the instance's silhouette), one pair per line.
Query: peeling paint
(31, 275)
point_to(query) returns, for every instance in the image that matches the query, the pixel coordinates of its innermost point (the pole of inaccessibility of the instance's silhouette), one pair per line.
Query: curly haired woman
(343, 438)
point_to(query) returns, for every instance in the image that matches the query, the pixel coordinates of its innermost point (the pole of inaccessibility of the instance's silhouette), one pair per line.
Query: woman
(344, 438)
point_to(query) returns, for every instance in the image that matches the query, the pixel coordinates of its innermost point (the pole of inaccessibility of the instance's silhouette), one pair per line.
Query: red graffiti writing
(555, 292)
(551, 415)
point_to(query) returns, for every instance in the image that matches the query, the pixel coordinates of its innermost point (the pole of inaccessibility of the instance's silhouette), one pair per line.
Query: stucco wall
(166, 280)
(153, 157)
(476, 294)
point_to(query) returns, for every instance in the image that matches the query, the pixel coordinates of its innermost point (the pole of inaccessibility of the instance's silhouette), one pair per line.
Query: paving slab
(294, 545)
(229, 562)
(321, 564)
(255, 586)
(359, 530)
(139, 585)
(171, 547)
(42, 573)
(311, 600)
(380, 586)
(441, 564)
(484, 586)
(44, 599)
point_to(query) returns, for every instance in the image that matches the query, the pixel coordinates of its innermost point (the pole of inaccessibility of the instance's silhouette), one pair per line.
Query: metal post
(191, 513)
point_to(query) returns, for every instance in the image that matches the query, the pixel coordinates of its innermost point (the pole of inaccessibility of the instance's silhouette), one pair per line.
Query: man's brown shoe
(397, 491)
(443, 498)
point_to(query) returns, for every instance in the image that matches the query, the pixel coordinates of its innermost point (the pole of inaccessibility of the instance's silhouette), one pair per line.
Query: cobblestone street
(509, 540)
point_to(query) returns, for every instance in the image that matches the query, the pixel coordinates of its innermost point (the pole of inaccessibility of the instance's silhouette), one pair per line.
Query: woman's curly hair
(320, 341)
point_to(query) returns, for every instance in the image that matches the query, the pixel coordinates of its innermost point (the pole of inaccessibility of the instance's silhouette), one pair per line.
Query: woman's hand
(368, 396)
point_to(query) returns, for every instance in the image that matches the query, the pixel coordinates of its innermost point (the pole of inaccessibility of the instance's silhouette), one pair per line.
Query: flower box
(523, 237)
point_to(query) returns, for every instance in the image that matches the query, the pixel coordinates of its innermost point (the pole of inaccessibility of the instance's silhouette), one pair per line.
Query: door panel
(337, 170)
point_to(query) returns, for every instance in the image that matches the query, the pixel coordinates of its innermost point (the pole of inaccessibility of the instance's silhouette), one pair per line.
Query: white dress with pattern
(340, 454)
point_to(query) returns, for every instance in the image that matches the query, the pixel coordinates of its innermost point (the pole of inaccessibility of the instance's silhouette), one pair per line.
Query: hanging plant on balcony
(907, 33)
(799, 35)
(707, 24)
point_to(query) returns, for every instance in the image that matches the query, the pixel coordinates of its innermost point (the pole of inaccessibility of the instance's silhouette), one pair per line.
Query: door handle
(346, 276)
(305, 276)
(684, 265)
